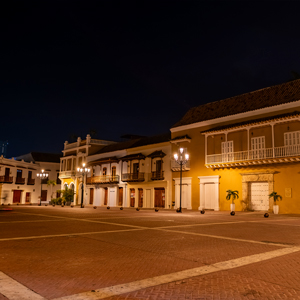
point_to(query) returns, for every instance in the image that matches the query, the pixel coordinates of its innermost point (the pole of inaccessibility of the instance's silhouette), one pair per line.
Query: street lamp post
(181, 158)
(42, 175)
(83, 172)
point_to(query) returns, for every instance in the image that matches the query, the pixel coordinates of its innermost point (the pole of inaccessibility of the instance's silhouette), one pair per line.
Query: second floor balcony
(103, 179)
(6, 179)
(157, 175)
(254, 157)
(66, 174)
(175, 166)
(133, 177)
(30, 181)
(20, 180)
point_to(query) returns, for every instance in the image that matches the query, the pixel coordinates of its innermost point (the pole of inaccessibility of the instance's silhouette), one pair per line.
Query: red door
(159, 197)
(132, 197)
(17, 196)
(27, 198)
(120, 196)
(44, 195)
(105, 196)
(91, 196)
(140, 197)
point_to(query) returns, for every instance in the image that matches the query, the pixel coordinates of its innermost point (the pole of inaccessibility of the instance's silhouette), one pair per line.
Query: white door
(209, 194)
(227, 151)
(258, 147)
(259, 199)
(292, 143)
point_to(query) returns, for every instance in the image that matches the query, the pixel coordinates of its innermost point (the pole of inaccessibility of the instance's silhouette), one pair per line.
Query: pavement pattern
(66, 253)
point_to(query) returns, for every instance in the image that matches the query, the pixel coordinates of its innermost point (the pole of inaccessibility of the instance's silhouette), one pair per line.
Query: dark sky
(133, 67)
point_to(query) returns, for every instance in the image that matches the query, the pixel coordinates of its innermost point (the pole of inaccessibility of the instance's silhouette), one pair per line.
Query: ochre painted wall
(287, 175)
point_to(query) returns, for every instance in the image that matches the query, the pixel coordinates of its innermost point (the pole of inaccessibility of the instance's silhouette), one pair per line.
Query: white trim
(252, 113)
(204, 180)
(185, 181)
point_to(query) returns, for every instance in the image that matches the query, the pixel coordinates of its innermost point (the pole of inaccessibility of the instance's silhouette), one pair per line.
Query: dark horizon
(69, 68)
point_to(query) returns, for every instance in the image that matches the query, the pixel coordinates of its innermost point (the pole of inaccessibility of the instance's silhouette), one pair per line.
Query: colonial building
(134, 173)
(19, 183)
(249, 143)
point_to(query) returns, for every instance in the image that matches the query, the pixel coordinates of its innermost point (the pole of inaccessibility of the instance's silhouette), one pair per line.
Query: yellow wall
(287, 175)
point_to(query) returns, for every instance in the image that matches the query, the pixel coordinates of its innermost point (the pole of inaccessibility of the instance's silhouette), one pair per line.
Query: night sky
(69, 67)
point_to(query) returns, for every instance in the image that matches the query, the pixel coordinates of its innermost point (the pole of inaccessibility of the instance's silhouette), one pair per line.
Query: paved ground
(65, 253)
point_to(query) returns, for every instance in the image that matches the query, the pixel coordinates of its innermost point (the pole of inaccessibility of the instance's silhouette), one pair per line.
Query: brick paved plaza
(73, 253)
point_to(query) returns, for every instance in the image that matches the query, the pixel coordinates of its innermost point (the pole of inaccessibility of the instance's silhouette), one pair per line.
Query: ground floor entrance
(258, 192)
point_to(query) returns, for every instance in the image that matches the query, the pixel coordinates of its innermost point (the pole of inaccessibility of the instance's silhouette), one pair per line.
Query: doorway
(159, 197)
(120, 196)
(17, 196)
(91, 196)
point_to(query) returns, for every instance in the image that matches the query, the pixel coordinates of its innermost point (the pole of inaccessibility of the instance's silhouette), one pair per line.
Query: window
(227, 151)
(257, 147)
(113, 171)
(19, 173)
(29, 174)
(104, 171)
(58, 181)
(292, 143)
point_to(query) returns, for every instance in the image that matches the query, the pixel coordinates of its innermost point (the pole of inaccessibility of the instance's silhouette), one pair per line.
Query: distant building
(19, 183)
(134, 173)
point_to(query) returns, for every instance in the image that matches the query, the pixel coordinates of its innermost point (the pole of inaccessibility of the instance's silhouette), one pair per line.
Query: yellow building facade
(249, 143)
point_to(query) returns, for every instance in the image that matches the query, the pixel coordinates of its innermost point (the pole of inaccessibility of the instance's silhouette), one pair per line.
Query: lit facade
(249, 143)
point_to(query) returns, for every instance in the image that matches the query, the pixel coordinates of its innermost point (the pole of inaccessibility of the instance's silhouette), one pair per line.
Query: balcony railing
(20, 180)
(157, 175)
(103, 179)
(67, 174)
(126, 177)
(176, 167)
(6, 179)
(262, 154)
(30, 181)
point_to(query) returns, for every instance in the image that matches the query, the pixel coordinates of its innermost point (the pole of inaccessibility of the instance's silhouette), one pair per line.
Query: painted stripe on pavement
(14, 290)
(168, 278)
(64, 234)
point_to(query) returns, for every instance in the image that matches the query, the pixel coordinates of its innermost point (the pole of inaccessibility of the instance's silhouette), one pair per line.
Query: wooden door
(141, 197)
(159, 200)
(120, 196)
(91, 196)
(27, 197)
(132, 197)
(105, 195)
(17, 196)
(44, 195)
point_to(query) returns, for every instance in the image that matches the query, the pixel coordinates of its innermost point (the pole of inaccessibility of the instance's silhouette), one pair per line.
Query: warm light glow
(176, 156)
(181, 150)
(43, 171)
(83, 164)
(78, 169)
(187, 157)
(37, 174)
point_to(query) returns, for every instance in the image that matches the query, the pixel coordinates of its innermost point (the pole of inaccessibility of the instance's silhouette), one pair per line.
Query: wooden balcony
(176, 166)
(157, 175)
(133, 177)
(20, 180)
(254, 157)
(103, 179)
(67, 174)
(30, 181)
(6, 179)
